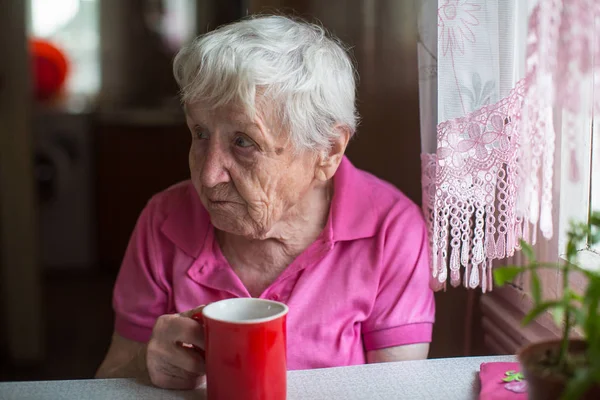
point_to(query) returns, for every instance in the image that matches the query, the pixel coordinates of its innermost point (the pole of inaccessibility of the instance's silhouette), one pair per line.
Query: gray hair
(304, 70)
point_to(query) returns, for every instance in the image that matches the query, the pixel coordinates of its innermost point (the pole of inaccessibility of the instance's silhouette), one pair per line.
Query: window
(73, 26)
(578, 141)
(175, 22)
(595, 170)
(579, 172)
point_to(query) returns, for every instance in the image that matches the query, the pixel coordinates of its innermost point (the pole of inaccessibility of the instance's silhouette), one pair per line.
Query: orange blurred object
(50, 68)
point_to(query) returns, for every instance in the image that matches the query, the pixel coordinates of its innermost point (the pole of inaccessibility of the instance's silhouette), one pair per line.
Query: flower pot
(549, 386)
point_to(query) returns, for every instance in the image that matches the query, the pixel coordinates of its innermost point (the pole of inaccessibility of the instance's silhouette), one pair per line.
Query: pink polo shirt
(362, 285)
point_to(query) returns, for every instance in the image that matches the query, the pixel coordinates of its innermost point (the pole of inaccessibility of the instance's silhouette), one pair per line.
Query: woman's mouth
(219, 203)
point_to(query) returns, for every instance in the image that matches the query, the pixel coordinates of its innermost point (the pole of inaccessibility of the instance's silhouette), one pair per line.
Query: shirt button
(274, 297)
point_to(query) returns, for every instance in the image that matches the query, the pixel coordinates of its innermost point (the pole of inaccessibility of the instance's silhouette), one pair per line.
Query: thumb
(194, 313)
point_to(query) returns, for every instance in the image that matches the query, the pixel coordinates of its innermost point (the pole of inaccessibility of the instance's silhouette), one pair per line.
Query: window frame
(576, 195)
(593, 253)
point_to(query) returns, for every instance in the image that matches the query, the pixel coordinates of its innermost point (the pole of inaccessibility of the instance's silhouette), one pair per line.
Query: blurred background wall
(85, 161)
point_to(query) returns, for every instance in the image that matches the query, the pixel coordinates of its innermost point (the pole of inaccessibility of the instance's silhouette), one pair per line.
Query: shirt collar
(353, 209)
(352, 214)
(187, 222)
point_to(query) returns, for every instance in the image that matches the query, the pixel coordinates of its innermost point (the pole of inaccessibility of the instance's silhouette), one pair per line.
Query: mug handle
(199, 318)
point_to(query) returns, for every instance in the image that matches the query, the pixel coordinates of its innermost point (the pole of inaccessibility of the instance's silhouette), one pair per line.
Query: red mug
(245, 349)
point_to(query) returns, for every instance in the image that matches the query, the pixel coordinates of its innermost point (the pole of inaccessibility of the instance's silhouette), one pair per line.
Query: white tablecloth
(447, 379)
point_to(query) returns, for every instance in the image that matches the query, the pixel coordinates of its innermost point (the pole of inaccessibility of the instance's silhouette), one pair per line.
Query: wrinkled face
(245, 169)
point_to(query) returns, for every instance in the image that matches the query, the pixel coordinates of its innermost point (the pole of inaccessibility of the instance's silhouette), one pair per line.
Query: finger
(187, 359)
(196, 315)
(169, 376)
(176, 360)
(199, 350)
(175, 328)
(188, 331)
(192, 312)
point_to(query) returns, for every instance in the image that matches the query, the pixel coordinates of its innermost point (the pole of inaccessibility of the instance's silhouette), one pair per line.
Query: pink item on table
(502, 381)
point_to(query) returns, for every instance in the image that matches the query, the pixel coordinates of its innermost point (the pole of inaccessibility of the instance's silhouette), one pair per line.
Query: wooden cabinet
(133, 162)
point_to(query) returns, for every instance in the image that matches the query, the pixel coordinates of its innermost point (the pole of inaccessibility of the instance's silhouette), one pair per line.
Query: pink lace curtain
(492, 75)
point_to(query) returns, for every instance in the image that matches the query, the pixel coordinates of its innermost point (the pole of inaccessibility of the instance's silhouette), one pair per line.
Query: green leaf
(571, 249)
(592, 327)
(558, 314)
(575, 296)
(536, 290)
(578, 385)
(580, 318)
(594, 228)
(528, 251)
(538, 309)
(503, 275)
(594, 219)
(594, 237)
(592, 299)
(593, 354)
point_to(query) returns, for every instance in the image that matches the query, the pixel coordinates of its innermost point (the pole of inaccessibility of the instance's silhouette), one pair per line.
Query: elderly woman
(273, 210)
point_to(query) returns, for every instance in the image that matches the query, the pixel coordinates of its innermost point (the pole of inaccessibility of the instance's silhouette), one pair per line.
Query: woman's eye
(241, 141)
(201, 134)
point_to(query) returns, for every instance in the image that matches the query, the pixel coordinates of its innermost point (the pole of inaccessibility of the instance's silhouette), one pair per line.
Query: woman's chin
(237, 228)
(230, 225)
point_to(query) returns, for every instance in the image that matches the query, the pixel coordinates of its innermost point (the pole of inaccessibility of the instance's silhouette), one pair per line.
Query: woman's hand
(172, 359)
(174, 355)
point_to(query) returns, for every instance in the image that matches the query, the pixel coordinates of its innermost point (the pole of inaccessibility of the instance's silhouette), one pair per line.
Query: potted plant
(568, 368)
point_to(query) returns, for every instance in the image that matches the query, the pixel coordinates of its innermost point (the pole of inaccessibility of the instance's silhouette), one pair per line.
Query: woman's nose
(214, 169)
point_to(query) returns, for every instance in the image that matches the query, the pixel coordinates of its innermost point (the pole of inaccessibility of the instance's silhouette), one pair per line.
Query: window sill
(589, 260)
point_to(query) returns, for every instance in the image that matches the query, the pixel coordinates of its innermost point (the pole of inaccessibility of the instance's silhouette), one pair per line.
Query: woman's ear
(330, 159)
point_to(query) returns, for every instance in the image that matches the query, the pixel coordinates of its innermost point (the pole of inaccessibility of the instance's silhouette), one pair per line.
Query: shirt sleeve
(140, 295)
(404, 309)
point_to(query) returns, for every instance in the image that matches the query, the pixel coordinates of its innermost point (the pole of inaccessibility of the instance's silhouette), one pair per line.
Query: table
(444, 378)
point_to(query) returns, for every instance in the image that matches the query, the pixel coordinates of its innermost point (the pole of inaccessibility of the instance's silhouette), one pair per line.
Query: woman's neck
(297, 230)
